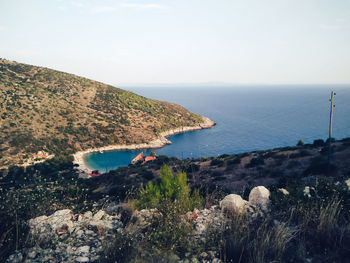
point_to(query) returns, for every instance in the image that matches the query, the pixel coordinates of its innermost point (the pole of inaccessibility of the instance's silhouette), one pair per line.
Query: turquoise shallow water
(248, 118)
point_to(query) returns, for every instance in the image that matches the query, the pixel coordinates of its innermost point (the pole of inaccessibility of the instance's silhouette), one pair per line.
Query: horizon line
(225, 84)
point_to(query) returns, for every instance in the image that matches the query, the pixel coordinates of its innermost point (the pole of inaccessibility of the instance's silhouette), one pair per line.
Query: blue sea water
(248, 118)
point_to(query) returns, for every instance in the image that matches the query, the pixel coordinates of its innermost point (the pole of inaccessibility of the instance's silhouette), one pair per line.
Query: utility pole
(330, 125)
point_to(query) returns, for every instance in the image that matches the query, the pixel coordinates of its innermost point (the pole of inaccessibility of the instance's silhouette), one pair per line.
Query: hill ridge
(58, 112)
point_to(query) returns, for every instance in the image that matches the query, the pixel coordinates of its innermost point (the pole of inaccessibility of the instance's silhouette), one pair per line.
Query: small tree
(300, 143)
(171, 190)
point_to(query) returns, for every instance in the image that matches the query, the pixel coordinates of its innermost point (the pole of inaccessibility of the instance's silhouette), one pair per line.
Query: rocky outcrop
(215, 217)
(66, 237)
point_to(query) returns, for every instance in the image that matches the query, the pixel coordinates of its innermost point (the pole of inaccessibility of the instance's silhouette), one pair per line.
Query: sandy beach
(156, 143)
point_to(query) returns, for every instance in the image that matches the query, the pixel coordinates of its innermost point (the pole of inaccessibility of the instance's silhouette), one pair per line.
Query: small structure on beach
(143, 158)
(94, 173)
(140, 157)
(148, 158)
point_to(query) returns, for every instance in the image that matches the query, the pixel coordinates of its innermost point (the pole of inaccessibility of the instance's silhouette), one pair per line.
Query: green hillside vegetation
(44, 109)
(315, 228)
(297, 229)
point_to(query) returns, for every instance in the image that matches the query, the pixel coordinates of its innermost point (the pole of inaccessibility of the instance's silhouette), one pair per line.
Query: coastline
(156, 143)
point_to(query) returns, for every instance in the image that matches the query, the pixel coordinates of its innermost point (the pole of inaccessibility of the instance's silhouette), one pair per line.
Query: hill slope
(44, 109)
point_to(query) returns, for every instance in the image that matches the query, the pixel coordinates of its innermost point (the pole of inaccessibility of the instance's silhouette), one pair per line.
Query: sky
(124, 42)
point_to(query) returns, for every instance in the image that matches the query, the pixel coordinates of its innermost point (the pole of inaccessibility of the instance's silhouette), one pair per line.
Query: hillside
(57, 112)
(48, 214)
(235, 173)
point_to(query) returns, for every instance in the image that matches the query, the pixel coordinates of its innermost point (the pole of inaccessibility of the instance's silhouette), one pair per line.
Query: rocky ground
(236, 172)
(68, 237)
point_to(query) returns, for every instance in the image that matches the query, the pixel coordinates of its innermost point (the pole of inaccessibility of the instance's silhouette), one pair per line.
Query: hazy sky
(182, 41)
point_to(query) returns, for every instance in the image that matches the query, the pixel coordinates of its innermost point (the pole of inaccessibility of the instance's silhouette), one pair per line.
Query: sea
(247, 117)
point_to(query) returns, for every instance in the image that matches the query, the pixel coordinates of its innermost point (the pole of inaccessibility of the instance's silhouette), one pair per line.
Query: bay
(248, 118)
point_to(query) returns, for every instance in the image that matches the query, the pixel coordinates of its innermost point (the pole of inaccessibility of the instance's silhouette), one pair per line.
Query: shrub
(318, 143)
(320, 165)
(147, 174)
(304, 153)
(171, 196)
(192, 168)
(217, 162)
(300, 143)
(234, 161)
(171, 188)
(332, 140)
(120, 247)
(293, 164)
(322, 220)
(244, 239)
(255, 162)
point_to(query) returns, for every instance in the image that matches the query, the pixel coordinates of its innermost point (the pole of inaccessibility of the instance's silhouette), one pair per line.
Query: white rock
(88, 214)
(283, 191)
(37, 221)
(82, 259)
(260, 197)
(307, 191)
(79, 233)
(83, 249)
(233, 203)
(61, 221)
(31, 254)
(102, 224)
(63, 213)
(89, 232)
(200, 228)
(348, 183)
(99, 215)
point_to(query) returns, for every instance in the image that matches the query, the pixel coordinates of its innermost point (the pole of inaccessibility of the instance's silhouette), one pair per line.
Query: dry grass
(244, 239)
(328, 218)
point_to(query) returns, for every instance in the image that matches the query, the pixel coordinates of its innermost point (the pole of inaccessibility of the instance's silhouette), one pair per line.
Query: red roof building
(148, 158)
(139, 157)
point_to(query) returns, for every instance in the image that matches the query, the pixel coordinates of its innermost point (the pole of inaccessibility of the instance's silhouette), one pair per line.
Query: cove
(247, 118)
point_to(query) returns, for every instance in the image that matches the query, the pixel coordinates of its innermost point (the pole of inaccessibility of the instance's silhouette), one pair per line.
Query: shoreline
(159, 142)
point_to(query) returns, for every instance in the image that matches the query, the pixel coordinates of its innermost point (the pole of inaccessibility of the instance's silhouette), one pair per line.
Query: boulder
(283, 191)
(142, 219)
(307, 191)
(347, 182)
(260, 197)
(233, 203)
(82, 259)
(99, 215)
(61, 222)
(83, 250)
(88, 214)
(112, 208)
